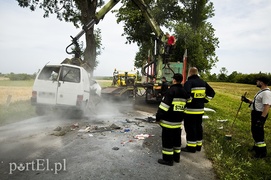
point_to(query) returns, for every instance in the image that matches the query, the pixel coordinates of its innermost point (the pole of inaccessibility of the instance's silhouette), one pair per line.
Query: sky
(28, 41)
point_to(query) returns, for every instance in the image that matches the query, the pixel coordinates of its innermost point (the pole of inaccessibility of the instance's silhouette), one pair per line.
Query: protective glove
(260, 122)
(246, 100)
(158, 116)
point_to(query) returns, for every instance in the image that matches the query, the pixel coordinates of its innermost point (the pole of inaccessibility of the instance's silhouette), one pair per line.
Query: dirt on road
(116, 141)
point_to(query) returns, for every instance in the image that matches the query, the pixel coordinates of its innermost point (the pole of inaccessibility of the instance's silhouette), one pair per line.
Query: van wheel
(40, 111)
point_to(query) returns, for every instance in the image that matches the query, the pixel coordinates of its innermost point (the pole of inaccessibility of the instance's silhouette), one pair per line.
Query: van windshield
(70, 74)
(49, 73)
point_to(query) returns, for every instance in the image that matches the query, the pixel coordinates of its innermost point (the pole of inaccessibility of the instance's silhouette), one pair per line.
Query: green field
(230, 158)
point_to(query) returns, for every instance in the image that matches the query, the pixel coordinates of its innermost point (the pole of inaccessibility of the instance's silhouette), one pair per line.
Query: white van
(63, 86)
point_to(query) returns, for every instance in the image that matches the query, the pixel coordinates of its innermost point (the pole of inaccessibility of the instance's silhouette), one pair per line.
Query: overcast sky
(28, 41)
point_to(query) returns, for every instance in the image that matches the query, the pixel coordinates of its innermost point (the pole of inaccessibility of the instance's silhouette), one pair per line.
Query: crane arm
(98, 16)
(145, 10)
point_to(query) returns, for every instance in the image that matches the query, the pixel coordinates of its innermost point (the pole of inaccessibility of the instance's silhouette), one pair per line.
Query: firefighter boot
(189, 149)
(260, 152)
(168, 163)
(198, 148)
(252, 149)
(176, 157)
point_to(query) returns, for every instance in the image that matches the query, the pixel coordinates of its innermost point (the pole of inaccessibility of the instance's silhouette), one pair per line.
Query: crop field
(13, 91)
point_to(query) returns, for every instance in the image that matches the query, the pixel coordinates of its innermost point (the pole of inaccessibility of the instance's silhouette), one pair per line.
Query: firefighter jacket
(200, 92)
(170, 111)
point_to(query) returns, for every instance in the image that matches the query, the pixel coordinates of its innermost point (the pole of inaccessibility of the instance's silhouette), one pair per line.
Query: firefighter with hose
(259, 106)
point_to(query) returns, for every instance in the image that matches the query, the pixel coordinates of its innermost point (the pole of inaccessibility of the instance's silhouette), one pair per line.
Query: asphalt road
(104, 145)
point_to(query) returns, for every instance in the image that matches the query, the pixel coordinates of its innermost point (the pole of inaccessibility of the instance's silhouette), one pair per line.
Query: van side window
(49, 73)
(70, 74)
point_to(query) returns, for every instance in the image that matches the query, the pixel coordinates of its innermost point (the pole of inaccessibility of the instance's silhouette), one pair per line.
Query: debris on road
(143, 136)
(135, 122)
(74, 126)
(61, 131)
(127, 130)
(99, 129)
(148, 119)
(115, 148)
(58, 128)
(124, 142)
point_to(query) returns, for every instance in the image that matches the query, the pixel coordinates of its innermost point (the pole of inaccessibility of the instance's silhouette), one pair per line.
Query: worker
(164, 86)
(200, 92)
(170, 117)
(171, 41)
(260, 106)
(115, 77)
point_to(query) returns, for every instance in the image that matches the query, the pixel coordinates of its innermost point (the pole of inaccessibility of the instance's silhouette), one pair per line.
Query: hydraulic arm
(98, 16)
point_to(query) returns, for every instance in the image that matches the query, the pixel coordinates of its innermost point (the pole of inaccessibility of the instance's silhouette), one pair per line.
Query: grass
(18, 107)
(231, 159)
(16, 111)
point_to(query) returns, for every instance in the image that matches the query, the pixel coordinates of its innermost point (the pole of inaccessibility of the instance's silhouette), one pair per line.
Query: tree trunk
(88, 10)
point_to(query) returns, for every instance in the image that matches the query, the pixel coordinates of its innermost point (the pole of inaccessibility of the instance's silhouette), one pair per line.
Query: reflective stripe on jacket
(200, 92)
(172, 107)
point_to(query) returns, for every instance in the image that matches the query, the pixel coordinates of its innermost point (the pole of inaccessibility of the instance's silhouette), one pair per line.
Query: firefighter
(164, 86)
(260, 106)
(170, 117)
(200, 92)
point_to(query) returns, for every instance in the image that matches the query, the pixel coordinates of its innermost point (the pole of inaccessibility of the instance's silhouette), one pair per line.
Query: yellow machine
(123, 85)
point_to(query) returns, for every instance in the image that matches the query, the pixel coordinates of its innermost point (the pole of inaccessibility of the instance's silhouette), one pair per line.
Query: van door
(69, 86)
(46, 85)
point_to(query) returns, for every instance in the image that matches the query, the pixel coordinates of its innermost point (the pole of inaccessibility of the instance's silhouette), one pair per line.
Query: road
(104, 145)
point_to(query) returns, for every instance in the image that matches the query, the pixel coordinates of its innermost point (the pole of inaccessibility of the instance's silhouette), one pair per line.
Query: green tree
(196, 35)
(78, 12)
(222, 76)
(187, 19)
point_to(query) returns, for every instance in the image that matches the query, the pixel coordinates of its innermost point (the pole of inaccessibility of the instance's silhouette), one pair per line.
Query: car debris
(209, 109)
(74, 126)
(58, 128)
(225, 120)
(148, 119)
(143, 136)
(115, 148)
(99, 129)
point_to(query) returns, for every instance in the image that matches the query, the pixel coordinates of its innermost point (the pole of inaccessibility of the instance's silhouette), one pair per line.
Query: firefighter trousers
(171, 144)
(257, 131)
(194, 131)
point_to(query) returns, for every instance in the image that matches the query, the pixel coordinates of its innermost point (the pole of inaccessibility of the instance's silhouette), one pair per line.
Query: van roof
(58, 65)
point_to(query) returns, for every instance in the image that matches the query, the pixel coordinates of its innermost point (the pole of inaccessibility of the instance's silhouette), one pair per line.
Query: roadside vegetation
(15, 100)
(230, 158)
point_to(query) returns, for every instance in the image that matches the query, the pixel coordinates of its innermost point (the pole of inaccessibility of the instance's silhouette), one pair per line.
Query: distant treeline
(19, 77)
(234, 77)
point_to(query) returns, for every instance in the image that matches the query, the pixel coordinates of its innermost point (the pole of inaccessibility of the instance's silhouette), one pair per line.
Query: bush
(20, 77)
